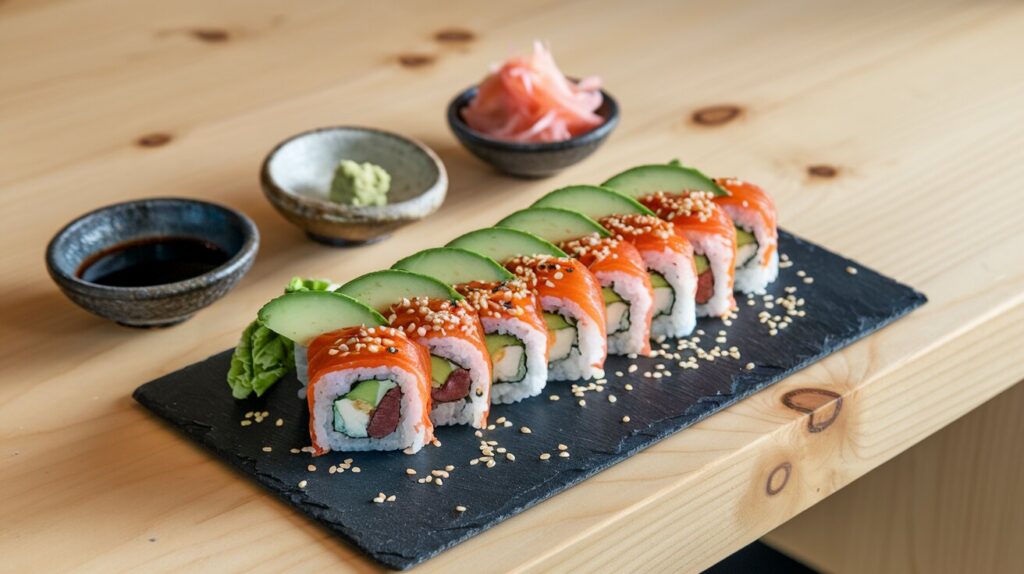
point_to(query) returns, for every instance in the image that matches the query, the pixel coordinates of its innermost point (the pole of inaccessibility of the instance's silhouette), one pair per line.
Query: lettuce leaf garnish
(263, 357)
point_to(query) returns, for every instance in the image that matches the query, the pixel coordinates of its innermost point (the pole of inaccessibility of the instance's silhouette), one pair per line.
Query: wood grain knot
(716, 115)
(822, 170)
(210, 35)
(154, 140)
(415, 60)
(778, 479)
(823, 406)
(454, 36)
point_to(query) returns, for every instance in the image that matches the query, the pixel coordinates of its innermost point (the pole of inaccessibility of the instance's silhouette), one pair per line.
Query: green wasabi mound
(360, 184)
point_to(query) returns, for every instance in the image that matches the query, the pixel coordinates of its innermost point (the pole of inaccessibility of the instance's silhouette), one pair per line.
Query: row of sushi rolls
(497, 313)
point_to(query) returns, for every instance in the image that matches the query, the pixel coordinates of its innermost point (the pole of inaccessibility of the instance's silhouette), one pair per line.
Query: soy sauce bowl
(91, 237)
(531, 160)
(297, 174)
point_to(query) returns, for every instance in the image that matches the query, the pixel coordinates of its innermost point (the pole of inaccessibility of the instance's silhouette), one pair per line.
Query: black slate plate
(840, 308)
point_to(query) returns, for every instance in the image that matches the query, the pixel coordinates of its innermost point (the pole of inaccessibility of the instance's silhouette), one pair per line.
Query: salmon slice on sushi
(617, 265)
(684, 197)
(433, 315)
(570, 297)
(757, 233)
(667, 256)
(515, 332)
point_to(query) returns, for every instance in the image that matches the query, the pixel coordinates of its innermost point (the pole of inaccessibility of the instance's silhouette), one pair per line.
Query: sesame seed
(246, 423)
(302, 484)
(356, 469)
(490, 464)
(750, 366)
(460, 508)
(511, 457)
(582, 402)
(391, 498)
(544, 456)
(851, 270)
(449, 467)
(612, 399)
(267, 449)
(553, 397)
(625, 419)
(410, 471)
(500, 420)
(439, 482)
(628, 387)
(279, 423)
(311, 468)
(632, 368)
(562, 447)
(478, 434)
(525, 430)
(808, 280)
(295, 451)
(564, 454)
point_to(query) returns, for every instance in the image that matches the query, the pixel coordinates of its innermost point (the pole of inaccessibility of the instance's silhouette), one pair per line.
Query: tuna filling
(369, 409)
(455, 388)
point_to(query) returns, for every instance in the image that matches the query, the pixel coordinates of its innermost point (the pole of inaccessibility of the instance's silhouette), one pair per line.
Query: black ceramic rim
(335, 208)
(248, 250)
(462, 129)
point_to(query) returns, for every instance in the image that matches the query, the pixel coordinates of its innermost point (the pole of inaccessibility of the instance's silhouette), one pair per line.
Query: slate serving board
(422, 521)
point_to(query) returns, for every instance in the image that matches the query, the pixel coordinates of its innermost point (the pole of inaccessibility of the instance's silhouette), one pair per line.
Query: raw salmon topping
(697, 204)
(528, 99)
(498, 299)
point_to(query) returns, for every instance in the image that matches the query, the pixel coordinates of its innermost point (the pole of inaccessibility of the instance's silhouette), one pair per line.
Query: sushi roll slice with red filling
(757, 233)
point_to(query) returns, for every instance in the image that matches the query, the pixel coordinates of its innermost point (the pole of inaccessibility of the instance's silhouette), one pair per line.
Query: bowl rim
(331, 209)
(462, 129)
(246, 252)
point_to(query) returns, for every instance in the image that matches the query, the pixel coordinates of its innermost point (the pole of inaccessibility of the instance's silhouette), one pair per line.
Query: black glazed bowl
(531, 159)
(154, 305)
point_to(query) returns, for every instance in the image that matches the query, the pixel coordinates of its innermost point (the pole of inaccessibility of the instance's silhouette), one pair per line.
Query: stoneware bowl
(531, 159)
(154, 305)
(296, 178)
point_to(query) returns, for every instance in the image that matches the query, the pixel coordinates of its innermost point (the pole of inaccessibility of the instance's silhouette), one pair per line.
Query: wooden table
(892, 132)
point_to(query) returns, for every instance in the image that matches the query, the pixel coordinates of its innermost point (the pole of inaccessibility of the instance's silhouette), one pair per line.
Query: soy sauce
(152, 261)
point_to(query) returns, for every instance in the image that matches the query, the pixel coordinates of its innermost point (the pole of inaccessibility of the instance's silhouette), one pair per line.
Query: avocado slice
(498, 341)
(303, 315)
(610, 296)
(502, 243)
(670, 178)
(702, 263)
(658, 280)
(382, 289)
(744, 237)
(554, 224)
(593, 201)
(439, 370)
(454, 266)
(554, 321)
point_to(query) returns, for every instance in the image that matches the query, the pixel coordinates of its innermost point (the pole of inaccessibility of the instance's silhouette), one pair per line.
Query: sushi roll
(435, 316)
(514, 330)
(684, 196)
(517, 337)
(757, 234)
(570, 297)
(369, 389)
(460, 365)
(669, 260)
(617, 265)
(667, 256)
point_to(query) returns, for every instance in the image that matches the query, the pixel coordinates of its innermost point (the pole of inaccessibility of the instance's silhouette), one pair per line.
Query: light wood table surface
(892, 132)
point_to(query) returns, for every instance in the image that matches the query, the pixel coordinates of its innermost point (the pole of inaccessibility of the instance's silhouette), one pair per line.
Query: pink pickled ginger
(528, 99)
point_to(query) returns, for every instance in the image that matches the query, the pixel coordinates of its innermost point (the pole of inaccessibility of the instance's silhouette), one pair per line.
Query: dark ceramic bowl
(531, 159)
(154, 305)
(296, 178)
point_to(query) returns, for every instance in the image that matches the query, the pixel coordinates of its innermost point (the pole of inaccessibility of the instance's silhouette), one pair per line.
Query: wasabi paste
(360, 184)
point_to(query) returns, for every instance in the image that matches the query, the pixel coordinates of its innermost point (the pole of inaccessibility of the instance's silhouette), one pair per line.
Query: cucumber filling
(564, 334)
(746, 247)
(617, 310)
(508, 358)
(354, 410)
(664, 295)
